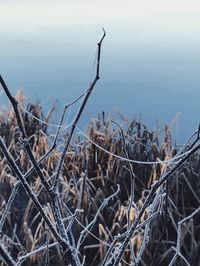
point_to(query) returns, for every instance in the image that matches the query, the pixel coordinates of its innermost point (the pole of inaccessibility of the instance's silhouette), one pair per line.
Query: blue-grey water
(150, 62)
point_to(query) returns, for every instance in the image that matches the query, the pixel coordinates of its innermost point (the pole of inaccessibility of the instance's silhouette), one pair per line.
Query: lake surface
(150, 62)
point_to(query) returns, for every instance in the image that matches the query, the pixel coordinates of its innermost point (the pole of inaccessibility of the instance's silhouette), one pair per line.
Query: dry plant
(116, 194)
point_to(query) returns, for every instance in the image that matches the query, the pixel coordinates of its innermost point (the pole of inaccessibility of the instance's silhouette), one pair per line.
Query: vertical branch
(30, 171)
(80, 111)
(55, 203)
(61, 237)
(84, 174)
(28, 189)
(52, 192)
(60, 234)
(155, 208)
(24, 135)
(9, 205)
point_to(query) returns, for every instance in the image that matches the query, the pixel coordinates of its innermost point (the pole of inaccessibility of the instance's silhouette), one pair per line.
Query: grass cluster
(90, 176)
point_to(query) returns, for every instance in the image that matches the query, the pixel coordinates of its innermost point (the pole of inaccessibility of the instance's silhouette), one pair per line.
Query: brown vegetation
(89, 176)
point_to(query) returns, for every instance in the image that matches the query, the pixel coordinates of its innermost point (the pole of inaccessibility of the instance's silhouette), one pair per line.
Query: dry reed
(89, 176)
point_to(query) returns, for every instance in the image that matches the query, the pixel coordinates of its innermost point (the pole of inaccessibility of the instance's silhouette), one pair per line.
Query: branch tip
(104, 35)
(198, 132)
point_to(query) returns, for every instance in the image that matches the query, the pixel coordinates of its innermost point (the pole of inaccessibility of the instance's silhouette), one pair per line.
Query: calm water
(150, 57)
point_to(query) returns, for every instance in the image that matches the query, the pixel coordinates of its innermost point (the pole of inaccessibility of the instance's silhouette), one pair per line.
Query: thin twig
(30, 193)
(88, 228)
(173, 160)
(132, 177)
(30, 171)
(80, 111)
(14, 103)
(148, 200)
(178, 242)
(6, 256)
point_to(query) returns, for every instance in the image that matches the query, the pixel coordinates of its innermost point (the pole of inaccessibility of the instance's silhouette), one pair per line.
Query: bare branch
(6, 256)
(148, 200)
(24, 135)
(178, 243)
(88, 228)
(77, 117)
(26, 186)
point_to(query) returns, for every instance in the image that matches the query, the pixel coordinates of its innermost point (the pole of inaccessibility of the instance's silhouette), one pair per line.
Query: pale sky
(22, 15)
(151, 48)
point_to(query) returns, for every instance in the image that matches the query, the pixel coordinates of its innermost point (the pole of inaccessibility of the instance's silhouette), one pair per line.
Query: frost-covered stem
(26, 186)
(15, 190)
(149, 199)
(83, 262)
(30, 171)
(157, 204)
(54, 198)
(132, 177)
(40, 249)
(55, 204)
(105, 260)
(78, 115)
(62, 119)
(176, 256)
(89, 227)
(70, 255)
(181, 223)
(9, 205)
(6, 256)
(14, 103)
(73, 218)
(47, 259)
(178, 242)
(132, 197)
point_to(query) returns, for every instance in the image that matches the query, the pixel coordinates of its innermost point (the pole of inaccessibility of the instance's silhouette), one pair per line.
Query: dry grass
(89, 176)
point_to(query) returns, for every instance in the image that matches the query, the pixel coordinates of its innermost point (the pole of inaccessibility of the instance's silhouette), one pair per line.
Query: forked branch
(80, 111)
(149, 198)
